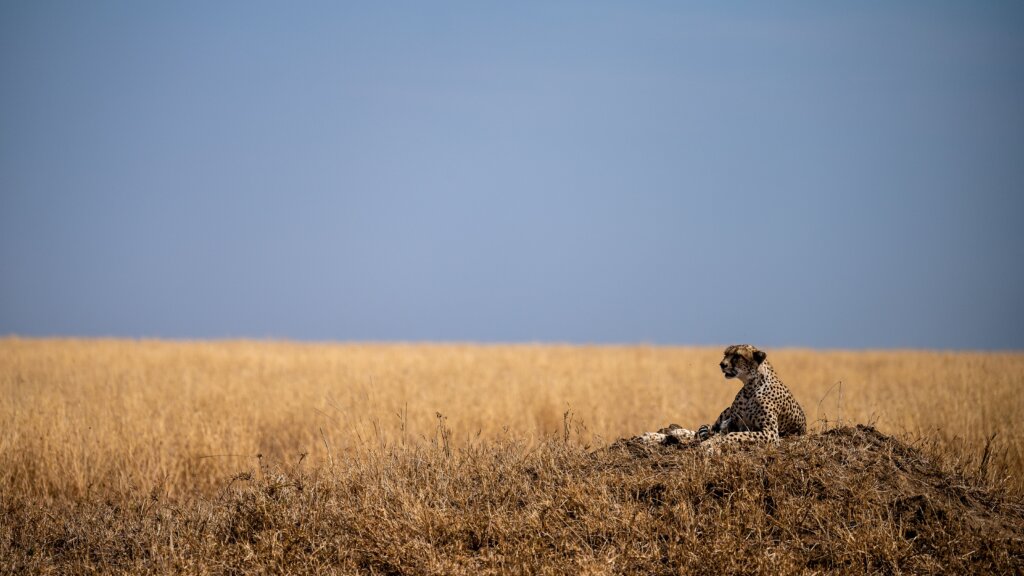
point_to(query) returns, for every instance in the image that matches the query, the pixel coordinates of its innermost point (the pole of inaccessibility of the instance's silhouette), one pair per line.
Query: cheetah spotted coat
(764, 409)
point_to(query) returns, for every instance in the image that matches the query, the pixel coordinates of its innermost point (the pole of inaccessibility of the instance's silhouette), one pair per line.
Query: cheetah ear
(759, 356)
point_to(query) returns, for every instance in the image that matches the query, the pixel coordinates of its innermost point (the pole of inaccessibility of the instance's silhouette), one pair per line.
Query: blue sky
(786, 174)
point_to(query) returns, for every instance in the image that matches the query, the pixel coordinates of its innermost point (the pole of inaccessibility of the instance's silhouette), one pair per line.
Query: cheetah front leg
(769, 435)
(721, 424)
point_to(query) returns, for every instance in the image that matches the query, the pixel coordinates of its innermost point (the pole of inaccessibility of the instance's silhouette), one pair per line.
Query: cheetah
(764, 409)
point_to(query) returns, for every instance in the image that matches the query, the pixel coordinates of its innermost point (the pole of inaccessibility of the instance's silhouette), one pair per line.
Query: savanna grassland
(247, 457)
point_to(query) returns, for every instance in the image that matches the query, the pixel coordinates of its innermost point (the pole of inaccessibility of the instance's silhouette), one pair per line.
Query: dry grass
(118, 456)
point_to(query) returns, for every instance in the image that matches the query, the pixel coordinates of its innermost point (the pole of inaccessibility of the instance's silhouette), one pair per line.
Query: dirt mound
(847, 500)
(854, 498)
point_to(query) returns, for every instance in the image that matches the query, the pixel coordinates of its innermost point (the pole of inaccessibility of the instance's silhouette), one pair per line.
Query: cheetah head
(741, 361)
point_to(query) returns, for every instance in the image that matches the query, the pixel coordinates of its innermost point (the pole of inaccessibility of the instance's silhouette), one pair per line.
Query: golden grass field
(117, 413)
(89, 422)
